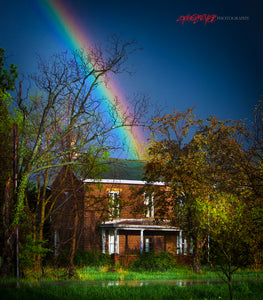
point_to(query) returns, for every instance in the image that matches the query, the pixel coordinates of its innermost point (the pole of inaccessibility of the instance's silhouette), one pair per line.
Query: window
(148, 204)
(181, 244)
(114, 204)
(148, 245)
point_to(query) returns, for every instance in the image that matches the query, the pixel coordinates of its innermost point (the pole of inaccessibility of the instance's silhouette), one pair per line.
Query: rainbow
(75, 37)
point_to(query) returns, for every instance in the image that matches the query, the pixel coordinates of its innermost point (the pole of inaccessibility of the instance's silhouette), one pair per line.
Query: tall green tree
(229, 235)
(224, 215)
(174, 159)
(8, 75)
(200, 161)
(233, 155)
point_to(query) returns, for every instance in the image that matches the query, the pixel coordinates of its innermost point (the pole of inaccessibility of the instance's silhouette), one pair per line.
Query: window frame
(148, 244)
(114, 204)
(148, 201)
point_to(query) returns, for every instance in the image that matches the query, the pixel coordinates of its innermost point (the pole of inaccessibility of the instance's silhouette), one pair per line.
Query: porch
(129, 237)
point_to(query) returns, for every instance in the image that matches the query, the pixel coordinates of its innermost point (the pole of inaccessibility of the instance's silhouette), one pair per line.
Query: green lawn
(118, 283)
(246, 290)
(120, 274)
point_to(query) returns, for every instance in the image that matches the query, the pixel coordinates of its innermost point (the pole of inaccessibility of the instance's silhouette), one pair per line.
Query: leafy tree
(229, 235)
(235, 169)
(232, 211)
(7, 81)
(7, 76)
(176, 161)
(199, 162)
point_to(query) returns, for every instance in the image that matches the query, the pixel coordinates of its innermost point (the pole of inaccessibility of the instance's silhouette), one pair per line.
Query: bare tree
(65, 119)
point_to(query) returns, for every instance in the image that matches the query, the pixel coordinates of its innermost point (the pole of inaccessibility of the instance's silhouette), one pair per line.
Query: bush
(62, 260)
(154, 262)
(91, 258)
(29, 249)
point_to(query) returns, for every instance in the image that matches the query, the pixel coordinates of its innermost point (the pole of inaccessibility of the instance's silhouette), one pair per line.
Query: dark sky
(217, 66)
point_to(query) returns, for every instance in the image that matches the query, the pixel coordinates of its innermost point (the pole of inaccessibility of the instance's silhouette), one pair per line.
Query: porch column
(103, 235)
(141, 241)
(115, 241)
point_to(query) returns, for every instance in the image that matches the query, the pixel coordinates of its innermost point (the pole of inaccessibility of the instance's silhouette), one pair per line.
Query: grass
(244, 290)
(121, 274)
(126, 285)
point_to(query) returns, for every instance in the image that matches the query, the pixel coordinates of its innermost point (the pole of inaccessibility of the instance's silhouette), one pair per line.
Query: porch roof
(139, 224)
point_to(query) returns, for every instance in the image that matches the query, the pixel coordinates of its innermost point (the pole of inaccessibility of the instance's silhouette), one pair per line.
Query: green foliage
(29, 249)
(214, 181)
(7, 119)
(6, 139)
(83, 258)
(244, 291)
(7, 77)
(154, 262)
(62, 259)
(91, 258)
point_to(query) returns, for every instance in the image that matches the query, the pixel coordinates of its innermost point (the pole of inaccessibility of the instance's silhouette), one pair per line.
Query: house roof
(139, 224)
(123, 169)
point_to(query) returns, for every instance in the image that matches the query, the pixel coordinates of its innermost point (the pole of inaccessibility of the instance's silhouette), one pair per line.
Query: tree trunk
(38, 261)
(196, 256)
(72, 272)
(8, 234)
(74, 241)
(196, 261)
(230, 287)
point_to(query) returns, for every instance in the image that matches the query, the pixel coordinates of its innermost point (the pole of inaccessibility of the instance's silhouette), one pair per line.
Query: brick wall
(96, 210)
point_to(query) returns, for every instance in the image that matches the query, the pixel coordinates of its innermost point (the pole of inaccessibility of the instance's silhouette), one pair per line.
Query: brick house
(118, 217)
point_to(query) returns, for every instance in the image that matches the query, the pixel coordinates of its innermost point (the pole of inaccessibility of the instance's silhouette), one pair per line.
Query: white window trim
(112, 208)
(149, 210)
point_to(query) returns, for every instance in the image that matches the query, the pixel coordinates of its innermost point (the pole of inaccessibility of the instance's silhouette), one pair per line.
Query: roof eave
(123, 181)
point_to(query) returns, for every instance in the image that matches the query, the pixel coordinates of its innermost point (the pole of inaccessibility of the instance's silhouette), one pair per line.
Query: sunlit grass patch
(110, 273)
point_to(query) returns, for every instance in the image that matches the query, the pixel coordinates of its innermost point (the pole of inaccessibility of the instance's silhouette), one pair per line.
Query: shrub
(29, 249)
(153, 262)
(62, 260)
(91, 258)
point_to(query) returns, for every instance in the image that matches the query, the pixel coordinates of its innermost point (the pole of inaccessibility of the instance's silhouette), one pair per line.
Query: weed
(248, 291)
(154, 262)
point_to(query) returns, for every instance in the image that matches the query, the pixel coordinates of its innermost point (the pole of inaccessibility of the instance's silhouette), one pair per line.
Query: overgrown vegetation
(93, 258)
(95, 266)
(245, 290)
(154, 262)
